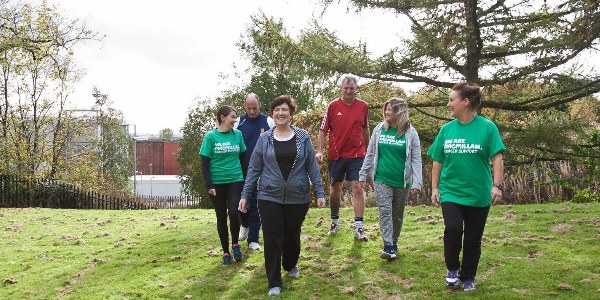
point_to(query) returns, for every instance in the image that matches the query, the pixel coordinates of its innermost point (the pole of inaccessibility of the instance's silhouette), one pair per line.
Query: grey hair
(252, 95)
(348, 78)
(400, 109)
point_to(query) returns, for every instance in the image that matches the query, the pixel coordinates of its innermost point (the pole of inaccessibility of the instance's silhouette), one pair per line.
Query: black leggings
(226, 203)
(473, 220)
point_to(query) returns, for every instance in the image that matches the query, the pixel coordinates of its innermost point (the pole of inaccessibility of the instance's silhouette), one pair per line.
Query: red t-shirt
(346, 124)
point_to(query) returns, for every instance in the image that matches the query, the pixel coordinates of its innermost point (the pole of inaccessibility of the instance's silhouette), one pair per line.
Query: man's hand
(319, 156)
(212, 192)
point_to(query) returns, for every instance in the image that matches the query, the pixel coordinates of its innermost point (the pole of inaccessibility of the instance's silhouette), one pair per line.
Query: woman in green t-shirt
(461, 180)
(393, 162)
(223, 158)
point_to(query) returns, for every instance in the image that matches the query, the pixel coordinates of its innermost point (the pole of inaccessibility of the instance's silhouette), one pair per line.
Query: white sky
(158, 56)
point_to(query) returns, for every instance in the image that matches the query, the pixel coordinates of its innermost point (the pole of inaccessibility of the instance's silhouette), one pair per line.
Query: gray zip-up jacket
(413, 168)
(271, 186)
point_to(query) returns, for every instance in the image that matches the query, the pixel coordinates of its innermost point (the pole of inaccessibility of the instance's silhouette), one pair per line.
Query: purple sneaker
(452, 278)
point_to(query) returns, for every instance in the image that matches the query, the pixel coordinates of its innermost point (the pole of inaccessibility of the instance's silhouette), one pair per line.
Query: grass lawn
(530, 251)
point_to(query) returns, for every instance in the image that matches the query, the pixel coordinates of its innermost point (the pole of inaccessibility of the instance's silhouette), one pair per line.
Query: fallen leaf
(187, 297)
(176, 258)
(8, 281)
(585, 281)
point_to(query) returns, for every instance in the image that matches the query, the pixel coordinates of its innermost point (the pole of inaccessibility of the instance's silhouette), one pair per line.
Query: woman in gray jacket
(394, 157)
(284, 161)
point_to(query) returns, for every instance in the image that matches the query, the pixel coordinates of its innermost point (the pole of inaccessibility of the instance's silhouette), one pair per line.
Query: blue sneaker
(469, 285)
(388, 253)
(237, 253)
(226, 259)
(452, 278)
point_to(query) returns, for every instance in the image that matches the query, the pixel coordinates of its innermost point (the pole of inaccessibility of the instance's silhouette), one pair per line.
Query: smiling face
(229, 120)
(348, 91)
(457, 105)
(281, 115)
(388, 114)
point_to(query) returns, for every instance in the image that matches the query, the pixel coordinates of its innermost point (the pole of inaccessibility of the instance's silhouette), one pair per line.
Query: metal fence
(18, 191)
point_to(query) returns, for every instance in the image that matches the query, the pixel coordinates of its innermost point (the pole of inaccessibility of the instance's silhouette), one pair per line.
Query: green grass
(529, 251)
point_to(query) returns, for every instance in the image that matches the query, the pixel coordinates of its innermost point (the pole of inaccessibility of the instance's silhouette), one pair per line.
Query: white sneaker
(243, 233)
(334, 228)
(254, 246)
(274, 291)
(360, 235)
(294, 272)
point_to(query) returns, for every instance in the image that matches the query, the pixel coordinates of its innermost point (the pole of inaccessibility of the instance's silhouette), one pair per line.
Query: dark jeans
(473, 220)
(282, 224)
(252, 219)
(226, 203)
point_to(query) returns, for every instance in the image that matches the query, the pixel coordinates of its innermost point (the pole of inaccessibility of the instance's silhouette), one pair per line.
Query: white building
(157, 185)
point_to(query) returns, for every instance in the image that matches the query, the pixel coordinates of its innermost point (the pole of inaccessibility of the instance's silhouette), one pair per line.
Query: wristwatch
(500, 186)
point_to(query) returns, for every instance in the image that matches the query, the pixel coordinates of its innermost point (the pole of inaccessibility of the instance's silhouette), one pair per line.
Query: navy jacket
(251, 129)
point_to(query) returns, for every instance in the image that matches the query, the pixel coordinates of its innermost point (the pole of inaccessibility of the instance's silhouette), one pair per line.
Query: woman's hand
(496, 195)
(435, 197)
(414, 191)
(242, 206)
(212, 192)
(320, 202)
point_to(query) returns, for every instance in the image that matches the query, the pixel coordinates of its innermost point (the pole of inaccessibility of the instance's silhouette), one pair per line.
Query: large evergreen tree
(529, 55)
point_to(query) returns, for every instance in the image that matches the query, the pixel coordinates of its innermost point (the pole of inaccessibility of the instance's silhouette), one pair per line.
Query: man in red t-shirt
(346, 119)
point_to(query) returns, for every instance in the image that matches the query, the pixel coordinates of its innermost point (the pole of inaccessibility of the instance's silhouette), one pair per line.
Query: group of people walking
(259, 169)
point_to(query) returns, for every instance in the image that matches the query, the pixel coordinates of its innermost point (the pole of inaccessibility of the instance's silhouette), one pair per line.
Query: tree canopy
(529, 56)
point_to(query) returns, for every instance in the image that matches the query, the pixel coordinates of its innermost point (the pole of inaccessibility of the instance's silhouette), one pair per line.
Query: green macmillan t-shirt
(391, 158)
(223, 149)
(465, 151)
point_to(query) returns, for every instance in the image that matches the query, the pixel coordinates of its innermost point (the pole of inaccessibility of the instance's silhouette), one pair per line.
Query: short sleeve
(436, 151)
(241, 141)
(495, 141)
(366, 120)
(206, 149)
(325, 123)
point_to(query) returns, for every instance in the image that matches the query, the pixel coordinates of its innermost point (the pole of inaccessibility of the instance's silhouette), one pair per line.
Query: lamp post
(151, 177)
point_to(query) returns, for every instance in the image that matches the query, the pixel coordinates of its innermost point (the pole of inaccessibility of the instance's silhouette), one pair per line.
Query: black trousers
(472, 219)
(281, 225)
(226, 203)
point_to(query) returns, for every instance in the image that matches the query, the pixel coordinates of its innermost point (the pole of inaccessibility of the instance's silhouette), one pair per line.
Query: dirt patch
(430, 219)
(562, 228)
(68, 289)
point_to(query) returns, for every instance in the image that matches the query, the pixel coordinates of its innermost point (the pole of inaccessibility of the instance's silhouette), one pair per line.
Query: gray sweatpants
(391, 202)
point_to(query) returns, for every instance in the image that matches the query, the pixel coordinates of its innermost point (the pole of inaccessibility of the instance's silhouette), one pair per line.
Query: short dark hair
(224, 110)
(287, 99)
(469, 91)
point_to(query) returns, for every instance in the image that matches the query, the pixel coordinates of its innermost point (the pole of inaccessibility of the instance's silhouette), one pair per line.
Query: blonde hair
(400, 110)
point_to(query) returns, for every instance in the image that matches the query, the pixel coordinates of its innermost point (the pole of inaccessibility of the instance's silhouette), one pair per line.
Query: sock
(226, 254)
(335, 220)
(234, 245)
(358, 222)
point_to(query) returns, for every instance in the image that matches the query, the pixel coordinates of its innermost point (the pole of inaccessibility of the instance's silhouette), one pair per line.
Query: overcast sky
(157, 57)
